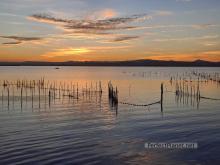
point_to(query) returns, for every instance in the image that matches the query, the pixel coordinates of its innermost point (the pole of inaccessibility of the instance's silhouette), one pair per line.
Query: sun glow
(66, 52)
(76, 51)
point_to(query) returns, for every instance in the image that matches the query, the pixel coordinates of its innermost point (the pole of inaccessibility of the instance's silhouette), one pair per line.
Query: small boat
(57, 68)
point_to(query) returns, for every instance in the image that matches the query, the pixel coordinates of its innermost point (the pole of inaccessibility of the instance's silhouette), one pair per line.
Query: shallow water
(88, 130)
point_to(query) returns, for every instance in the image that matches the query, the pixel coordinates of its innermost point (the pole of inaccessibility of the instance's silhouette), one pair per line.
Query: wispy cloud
(100, 24)
(203, 26)
(193, 26)
(12, 43)
(124, 38)
(209, 44)
(207, 37)
(215, 52)
(91, 25)
(19, 40)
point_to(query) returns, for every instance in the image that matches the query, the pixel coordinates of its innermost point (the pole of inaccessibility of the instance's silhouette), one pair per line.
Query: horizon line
(100, 61)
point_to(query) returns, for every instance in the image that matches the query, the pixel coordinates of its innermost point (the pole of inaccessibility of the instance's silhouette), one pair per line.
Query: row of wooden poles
(54, 86)
(214, 77)
(52, 90)
(188, 86)
(184, 88)
(188, 91)
(197, 76)
(189, 83)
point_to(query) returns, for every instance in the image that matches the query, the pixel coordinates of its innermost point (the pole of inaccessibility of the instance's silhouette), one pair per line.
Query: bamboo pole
(161, 96)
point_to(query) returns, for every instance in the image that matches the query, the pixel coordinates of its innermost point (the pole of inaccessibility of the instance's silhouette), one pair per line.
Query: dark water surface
(89, 131)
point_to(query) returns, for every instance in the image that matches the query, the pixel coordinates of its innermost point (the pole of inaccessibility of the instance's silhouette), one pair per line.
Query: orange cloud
(217, 53)
(109, 13)
(103, 14)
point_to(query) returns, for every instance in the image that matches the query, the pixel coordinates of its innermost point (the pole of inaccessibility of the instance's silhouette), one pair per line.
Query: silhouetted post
(77, 91)
(54, 91)
(2, 97)
(13, 96)
(8, 97)
(49, 97)
(32, 98)
(161, 98)
(116, 92)
(39, 95)
(100, 87)
(21, 96)
(59, 89)
(26, 93)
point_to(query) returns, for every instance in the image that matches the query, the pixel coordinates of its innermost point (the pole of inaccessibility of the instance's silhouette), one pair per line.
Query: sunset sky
(64, 30)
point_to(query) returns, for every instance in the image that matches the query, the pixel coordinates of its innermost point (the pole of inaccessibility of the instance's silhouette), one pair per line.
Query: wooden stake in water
(8, 97)
(2, 97)
(161, 96)
(32, 98)
(39, 96)
(13, 96)
(49, 97)
(21, 96)
(77, 91)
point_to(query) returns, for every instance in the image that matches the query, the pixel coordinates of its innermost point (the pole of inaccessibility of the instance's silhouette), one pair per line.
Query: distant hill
(199, 63)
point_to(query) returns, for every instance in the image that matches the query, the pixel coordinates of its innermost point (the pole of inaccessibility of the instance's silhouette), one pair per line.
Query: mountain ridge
(140, 62)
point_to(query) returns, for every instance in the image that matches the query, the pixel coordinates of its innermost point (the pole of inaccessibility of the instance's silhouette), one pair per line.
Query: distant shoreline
(133, 63)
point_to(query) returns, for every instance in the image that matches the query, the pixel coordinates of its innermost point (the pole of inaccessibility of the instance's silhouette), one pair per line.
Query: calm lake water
(88, 130)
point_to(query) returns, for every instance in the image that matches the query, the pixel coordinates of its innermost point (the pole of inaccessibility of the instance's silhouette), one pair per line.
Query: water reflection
(69, 117)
